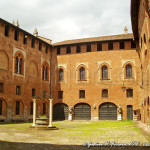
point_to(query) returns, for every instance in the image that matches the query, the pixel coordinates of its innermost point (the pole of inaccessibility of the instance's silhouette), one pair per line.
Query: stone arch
(4, 60)
(60, 111)
(82, 111)
(107, 111)
(33, 69)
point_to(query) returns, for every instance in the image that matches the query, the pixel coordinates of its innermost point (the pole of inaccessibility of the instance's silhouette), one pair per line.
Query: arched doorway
(60, 111)
(107, 111)
(82, 111)
(3, 109)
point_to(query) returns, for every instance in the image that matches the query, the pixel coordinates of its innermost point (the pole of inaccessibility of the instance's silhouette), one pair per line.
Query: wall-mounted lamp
(94, 106)
(123, 88)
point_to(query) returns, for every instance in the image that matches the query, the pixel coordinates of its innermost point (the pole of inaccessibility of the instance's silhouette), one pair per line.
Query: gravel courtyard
(74, 133)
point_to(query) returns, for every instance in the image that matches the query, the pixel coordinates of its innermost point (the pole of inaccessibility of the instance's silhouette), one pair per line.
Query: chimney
(17, 23)
(35, 33)
(125, 30)
(13, 22)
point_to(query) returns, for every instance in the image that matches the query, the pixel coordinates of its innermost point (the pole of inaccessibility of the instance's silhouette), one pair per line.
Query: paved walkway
(40, 146)
(144, 129)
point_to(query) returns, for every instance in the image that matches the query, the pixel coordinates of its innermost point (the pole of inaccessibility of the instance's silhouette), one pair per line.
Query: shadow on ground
(40, 146)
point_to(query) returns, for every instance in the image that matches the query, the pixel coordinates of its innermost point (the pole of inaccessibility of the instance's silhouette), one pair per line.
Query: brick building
(98, 75)
(93, 75)
(140, 17)
(24, 72)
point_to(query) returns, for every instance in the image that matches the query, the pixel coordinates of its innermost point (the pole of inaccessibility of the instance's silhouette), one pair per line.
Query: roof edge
(134, 10)
(95, 39)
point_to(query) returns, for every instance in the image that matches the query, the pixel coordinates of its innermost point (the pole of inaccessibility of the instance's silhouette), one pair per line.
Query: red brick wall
(30, 79)
(144, 55)
(93, 86)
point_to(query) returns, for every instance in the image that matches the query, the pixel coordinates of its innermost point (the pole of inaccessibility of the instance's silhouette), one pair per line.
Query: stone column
(50, 112)
(34, 112)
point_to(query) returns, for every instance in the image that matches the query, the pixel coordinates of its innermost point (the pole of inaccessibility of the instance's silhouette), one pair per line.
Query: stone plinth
(119, 117)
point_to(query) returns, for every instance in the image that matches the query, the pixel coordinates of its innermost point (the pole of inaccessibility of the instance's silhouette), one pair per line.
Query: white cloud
(68, 19)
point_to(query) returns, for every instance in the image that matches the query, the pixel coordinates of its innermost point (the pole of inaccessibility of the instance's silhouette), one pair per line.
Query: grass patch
(74, 132)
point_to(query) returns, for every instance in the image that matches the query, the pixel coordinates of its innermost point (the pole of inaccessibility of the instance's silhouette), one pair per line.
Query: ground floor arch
(82, 111)
(107, 111)
(60, 111)
(3, 109)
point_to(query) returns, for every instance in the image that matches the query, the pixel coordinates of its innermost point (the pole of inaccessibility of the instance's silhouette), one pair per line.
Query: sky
(61, 20)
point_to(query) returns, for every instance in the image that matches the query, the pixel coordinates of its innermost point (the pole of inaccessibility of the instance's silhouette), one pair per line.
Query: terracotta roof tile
(96, 39)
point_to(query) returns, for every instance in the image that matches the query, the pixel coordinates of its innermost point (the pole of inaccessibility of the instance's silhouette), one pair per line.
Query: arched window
(105, 93)
(104, 72)
(61, 75)
(82, 74)
(128, 71)
(18, 65)
(45, 72)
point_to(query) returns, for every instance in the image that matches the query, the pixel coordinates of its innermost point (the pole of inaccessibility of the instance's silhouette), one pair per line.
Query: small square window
(46, 49)
(129, 92)
(99, 47)
(88, 48)
(6, 30)
(78, 49)
(40, 46)
(58, 50)
(105, 93)
(16, 36)
(25, 39)
(82, 94)
(110, 46)
(18, 90)
(121, 45)
(68, 50)
(33, 43)
(33, 92)
(60, 94)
